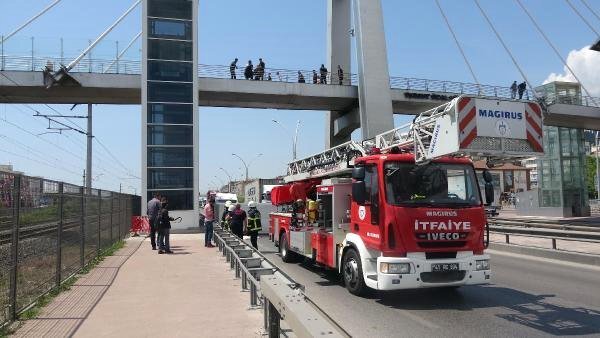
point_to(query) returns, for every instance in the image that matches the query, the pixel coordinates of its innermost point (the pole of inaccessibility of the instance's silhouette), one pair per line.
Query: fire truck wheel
(353, 274)
(284, 249)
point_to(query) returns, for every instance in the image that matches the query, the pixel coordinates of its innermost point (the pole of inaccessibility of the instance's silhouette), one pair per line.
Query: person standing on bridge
(238, 221)
(513, 90)
(301, 77)
(340, 73)
(323, 70)
(209, 219)
(232, 67)
(249, 71)
(164, 228)
(522, 88)
(263, 67)
(152, 212)
(315, 77)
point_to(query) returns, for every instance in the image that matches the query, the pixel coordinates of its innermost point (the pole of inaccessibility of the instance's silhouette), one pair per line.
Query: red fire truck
(404, 210)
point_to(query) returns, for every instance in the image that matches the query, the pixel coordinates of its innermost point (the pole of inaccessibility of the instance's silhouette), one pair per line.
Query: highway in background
(529, 297)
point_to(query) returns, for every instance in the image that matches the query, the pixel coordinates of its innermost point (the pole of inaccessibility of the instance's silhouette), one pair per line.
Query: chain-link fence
(49, 230)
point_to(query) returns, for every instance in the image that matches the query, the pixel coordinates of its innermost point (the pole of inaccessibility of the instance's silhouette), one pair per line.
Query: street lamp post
(228, 184)
(244, 162)
(294, 140)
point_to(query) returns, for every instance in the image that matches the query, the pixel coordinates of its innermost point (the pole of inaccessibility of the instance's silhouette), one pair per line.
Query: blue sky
(286, 34)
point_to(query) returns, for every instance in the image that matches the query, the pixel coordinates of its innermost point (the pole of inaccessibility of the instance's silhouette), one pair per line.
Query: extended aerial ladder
(493, 129)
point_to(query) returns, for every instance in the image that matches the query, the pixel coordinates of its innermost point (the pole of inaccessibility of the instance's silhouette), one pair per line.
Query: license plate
(443, 267)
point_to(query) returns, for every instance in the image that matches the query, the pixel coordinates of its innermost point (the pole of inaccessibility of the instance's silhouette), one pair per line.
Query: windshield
(439, 184)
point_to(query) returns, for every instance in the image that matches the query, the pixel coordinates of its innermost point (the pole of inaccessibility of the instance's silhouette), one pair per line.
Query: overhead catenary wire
(537, 26)
(582, 17)
(462, 52)
(591, 9)
(126, 170)
(499, 37)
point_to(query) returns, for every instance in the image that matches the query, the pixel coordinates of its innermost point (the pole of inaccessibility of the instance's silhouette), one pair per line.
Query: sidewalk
(138, 293)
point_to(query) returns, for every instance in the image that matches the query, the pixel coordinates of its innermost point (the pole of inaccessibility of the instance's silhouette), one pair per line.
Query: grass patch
(44, 300)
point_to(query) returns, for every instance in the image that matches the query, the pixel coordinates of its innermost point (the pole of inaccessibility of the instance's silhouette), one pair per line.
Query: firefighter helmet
(252, 204)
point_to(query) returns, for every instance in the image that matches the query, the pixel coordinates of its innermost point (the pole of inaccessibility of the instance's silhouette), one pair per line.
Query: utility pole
(88, 164)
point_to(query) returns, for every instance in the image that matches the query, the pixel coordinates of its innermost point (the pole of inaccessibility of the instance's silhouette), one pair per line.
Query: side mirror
(487, 176)
(358, 173)
(359, 192)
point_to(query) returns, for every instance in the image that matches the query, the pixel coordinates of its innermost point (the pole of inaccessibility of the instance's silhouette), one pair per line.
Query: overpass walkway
(138, 293)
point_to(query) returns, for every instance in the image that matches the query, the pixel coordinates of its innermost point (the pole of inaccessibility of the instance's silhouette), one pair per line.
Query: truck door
(365, 216)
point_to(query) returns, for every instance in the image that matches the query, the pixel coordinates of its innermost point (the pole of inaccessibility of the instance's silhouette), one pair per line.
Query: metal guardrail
(552, 235)
(272, 289)
(133, 67)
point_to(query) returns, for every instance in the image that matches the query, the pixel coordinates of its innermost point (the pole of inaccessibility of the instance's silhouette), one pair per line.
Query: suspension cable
(552, 45)
(462, 52)
(32, 19)
(122, 53)
(582, 17)
(506, 47)
(591, 9)
(99, 38)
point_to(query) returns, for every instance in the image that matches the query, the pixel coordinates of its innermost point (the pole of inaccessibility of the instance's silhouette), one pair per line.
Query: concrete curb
(574, 257)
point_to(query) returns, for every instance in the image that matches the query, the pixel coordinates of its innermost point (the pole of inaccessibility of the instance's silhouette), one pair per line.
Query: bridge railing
(49, 231)
(124, 66)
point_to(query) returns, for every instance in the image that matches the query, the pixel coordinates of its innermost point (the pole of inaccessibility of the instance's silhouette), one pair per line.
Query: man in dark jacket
(323, 70)
(263, 67)
(164, 228)
(522, 88)
(340, 73)
(238, 221)
(301, 77)
(249, 71)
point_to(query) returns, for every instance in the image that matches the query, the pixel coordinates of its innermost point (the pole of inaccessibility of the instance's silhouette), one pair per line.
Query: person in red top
(238, 221)
(209, 219)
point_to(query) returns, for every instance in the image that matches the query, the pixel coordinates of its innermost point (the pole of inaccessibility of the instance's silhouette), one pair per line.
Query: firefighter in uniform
(254, 225)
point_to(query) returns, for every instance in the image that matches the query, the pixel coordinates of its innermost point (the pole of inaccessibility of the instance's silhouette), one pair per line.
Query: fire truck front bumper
(415, 271)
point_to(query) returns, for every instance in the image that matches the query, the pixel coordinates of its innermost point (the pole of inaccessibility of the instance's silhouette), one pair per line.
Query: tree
(590, 176)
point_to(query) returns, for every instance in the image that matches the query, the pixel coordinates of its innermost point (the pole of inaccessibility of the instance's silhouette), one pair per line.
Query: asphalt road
(529, 297)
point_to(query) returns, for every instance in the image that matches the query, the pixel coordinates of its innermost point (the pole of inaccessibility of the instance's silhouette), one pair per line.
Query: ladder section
(416, 136)
(334, 161)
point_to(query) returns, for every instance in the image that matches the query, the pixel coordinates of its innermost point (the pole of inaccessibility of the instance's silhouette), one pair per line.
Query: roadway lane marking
(418, 319)
(545, 260)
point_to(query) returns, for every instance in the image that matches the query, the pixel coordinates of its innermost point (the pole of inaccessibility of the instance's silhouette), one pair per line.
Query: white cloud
(586, 65)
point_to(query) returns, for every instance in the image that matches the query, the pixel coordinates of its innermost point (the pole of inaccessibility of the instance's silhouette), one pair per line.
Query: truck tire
(284, 249)
(353, 274)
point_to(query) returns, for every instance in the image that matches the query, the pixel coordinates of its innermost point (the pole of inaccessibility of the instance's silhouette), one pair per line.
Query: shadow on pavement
(535, 311)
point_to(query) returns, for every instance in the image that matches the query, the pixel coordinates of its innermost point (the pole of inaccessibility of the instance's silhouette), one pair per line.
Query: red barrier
(140, 224)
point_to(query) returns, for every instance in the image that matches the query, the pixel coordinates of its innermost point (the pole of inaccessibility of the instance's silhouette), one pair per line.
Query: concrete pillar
(338, 53)
(374, 94)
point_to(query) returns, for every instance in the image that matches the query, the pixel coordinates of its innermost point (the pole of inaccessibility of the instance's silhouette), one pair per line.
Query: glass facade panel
(178, 199)
(170, 92)
(170, 113)
(170, 29)
(170, 71)
(170, 50)
(170, 178)
(170, 135)
(174, 9)
(170, 157)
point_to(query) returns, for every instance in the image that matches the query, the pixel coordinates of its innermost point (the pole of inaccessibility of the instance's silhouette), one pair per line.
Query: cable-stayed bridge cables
(541, 31)
(32, 19)
(591, 9)
(582, 17)
(462, 52)
(508, 51)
